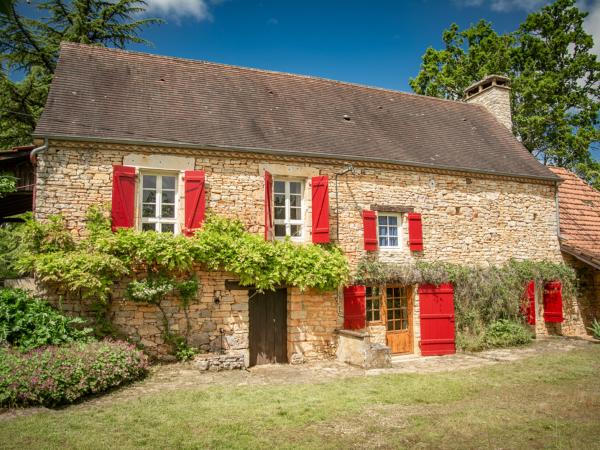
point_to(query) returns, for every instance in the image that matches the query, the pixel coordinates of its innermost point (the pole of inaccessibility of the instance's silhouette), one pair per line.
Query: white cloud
(592, 21)
(504, 5)
(180, 9)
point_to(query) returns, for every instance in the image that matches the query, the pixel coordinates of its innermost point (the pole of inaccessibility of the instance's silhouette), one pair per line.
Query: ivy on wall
(485, 297)
(163, 264)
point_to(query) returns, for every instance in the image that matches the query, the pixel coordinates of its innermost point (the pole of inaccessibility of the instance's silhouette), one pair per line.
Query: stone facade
(468, 218)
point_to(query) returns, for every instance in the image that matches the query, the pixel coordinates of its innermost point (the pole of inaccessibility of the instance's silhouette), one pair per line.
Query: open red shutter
(436, 310)
(529, 303)
(370, 229)
(415, 232)
(320, 210)
(354, 307)
(553, 305)
(123, 197)
(268, 206)
(195, 200)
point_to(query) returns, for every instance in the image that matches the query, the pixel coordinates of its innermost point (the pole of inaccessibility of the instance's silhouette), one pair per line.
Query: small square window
(389, 229)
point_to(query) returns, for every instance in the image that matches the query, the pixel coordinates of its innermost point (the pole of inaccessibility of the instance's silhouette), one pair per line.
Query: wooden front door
(268, 327)
(398, 319)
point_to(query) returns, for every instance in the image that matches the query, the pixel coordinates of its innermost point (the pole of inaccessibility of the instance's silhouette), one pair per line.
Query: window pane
(149, 196)
(168, 197)
(295, 187)
(376, 315)
(383, 231)
(168, 228)
(382, 220)
(390, 314)
(279, 187)
(148, 211)
(296, 230)
(280, 200)
(393, 242)
(168, 211)
(148, 227)
(383, 242)
(369, 291)
(393, 231)
(168, 182)
(279, 230)
(280, 213)
(392, 220)
(295, 214)
(295, 200)
(149, 181)
(397, 325)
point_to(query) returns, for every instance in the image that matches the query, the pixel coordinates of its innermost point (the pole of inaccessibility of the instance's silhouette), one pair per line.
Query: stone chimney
(493, 92)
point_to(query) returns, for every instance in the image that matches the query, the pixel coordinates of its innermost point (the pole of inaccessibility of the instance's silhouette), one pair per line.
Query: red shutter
(553, 305)
(268, 206)
(354, 307)
(123, 197)
(529, 303)
(370, 229)
(320, 210)
(415, 232)
(436, 306)
(195, 200)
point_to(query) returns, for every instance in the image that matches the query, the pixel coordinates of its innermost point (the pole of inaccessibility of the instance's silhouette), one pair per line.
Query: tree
(555, 81)
(30, 46)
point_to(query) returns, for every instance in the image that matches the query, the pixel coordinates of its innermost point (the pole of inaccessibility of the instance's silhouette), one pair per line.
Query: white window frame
(287, 221)
(399, 225)
(159, 220)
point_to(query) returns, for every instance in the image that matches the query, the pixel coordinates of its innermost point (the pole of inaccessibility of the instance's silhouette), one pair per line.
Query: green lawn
(544, 402)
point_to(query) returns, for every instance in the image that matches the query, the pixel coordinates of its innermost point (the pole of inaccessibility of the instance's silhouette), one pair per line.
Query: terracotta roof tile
(579, 205)
(114, 94)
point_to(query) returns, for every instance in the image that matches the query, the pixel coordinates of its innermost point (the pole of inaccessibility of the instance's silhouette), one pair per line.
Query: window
(373, 304)
(287, 209)
(397, 308)
(159, 203)
(389, 230)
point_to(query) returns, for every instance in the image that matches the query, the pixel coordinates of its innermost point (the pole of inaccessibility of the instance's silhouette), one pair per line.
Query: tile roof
(100, 93)
(579, 206)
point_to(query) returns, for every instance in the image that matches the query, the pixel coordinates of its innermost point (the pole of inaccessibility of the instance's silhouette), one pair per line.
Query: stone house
(579, 213)
(396, 175)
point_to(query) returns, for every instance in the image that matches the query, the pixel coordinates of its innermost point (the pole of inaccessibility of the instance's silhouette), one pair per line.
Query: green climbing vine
(486, 298)
(163, 264)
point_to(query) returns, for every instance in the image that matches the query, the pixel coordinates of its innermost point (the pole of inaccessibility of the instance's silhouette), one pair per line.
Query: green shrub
(595, 329)
(56, 375)
(27, 322)
(505, 333)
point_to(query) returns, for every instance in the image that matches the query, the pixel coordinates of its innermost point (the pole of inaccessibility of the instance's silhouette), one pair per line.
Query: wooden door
(398, 319)
(268, 327)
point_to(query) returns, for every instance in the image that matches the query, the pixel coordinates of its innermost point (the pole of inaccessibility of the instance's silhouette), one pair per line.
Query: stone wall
(467, 218)
(587, 306)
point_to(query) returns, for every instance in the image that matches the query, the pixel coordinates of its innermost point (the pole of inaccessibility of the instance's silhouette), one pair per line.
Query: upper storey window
(158, 203)
(288, 210)
(389, 229)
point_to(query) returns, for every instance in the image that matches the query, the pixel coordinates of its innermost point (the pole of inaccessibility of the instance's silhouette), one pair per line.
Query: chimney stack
(493, 92)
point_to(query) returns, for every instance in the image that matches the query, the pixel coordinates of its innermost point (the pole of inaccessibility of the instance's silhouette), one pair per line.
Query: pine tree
(30, 46)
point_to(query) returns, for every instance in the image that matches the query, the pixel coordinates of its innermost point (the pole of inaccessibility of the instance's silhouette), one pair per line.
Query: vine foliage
(162, 264)
(485, 297)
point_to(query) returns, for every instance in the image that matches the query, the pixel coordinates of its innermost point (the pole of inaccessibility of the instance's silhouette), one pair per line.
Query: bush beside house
(49, 359)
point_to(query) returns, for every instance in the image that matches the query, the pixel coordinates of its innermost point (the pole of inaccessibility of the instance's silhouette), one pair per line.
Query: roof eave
(553, 178)
(580, 255)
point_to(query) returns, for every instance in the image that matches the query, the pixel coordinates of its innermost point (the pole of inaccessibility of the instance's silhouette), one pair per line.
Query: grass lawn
(543, 402)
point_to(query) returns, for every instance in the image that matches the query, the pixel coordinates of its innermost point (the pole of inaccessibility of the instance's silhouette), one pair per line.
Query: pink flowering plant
(56, 375)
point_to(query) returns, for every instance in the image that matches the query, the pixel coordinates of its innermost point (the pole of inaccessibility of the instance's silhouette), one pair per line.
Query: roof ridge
(266, 71)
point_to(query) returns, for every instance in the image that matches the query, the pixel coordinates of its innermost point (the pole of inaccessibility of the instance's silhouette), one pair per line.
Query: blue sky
(377, 43)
